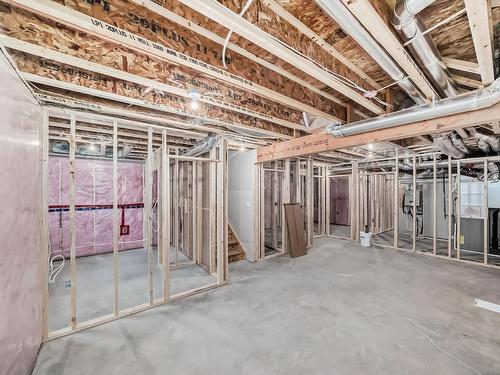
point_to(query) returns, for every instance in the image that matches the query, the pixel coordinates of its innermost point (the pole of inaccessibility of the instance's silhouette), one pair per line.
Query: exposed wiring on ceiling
(228, 36)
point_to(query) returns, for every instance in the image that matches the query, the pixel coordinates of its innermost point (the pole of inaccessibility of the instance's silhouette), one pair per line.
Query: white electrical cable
(54, 271)
(154, 222)
(228, 36)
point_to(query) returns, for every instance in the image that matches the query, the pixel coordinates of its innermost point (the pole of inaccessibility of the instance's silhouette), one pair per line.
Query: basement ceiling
(148, 57)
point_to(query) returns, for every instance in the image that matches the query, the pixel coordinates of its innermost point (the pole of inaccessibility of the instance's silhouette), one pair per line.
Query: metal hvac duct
(337, 11)
(471, 101)
(202, 147)
(405, 21)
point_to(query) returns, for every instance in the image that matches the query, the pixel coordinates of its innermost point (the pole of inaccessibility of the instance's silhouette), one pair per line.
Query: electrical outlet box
(124, 230)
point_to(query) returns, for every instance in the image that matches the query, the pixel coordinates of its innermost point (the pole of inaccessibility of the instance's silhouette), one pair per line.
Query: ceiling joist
(224, 16)
(101, 29)
(119, 74)
(168, 14)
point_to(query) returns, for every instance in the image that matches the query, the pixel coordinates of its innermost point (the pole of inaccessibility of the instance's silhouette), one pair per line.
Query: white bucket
(365, 239)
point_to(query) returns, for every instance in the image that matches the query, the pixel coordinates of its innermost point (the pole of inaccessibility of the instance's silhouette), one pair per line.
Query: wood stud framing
(163, 217)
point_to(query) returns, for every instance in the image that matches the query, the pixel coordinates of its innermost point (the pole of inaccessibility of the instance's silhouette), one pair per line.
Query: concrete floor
(341, 309)
(340, 230)
(95, 286)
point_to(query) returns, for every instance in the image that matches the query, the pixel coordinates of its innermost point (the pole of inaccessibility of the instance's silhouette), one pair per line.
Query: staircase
(234, 250)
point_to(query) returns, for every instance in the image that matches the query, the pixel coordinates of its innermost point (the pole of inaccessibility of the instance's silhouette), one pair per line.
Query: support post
(450, 206)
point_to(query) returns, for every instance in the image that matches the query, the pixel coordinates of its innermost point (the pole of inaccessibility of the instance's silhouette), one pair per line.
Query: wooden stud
(72, 199)
(165, 215)
(486, 217)
(44, 210)
(414, 244)
(116, 263)
(285, 198)
(458, 211)
(450, 207)
(148, 206)
(434, 201)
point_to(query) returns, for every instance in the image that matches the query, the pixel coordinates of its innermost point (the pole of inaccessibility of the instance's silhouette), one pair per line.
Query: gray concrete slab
(341, 309)
(95, 284)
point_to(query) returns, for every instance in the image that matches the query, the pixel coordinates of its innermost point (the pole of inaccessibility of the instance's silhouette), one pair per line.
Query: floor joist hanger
(224, 16)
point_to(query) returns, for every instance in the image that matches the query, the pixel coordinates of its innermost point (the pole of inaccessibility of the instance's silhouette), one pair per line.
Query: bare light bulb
(194, 104)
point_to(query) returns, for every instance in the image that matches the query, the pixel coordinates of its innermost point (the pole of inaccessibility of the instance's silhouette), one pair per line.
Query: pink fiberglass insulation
(94, 186)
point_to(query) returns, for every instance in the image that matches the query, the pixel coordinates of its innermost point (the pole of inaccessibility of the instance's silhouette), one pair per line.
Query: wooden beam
(225, 17)
(463, 66)
(479, 15)
(373, 22)
(314, 143)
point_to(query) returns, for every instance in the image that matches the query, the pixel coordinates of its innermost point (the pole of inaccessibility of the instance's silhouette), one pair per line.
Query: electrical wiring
(228, 36)
(154, 222)
(54, 271)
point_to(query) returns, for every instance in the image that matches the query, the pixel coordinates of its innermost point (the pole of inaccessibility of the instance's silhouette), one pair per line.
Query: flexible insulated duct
(444, 144)
(337, 11)
(486, 141)
(405, 21)
(459, 143)
(471, 101)
(202, 147)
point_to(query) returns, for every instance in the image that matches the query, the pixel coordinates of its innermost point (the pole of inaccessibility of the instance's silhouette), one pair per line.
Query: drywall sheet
(20, 192)
(94, 200)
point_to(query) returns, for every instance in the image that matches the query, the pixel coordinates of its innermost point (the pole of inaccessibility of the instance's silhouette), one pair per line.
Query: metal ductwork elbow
(459, 143)
(203, 146)
(405, 21)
